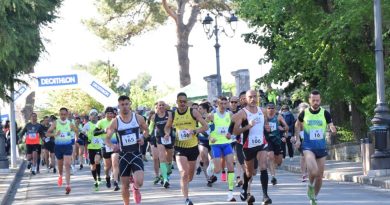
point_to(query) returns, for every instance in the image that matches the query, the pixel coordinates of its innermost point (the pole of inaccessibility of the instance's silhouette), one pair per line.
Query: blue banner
(100, 89)
(19, 92)
(60, 80)
(4, 117)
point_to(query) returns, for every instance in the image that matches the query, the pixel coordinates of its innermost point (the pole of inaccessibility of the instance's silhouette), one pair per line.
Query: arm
(50, 131)
(110, 131)
(200, 119)
(237, 130)
(332, 128)
(151, 125)
(283, 122)
(168, 126)
(144, 128)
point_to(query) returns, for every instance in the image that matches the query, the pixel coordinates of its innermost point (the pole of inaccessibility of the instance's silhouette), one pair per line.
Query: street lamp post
(217, 29)
(381, 158)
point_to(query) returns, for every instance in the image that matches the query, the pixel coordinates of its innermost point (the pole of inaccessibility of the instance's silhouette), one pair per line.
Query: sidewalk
(341, 171)
(8, 181)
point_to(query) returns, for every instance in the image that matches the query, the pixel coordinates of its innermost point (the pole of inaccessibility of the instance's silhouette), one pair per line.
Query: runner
(165, 147)
(94, 147)
(290, 120)
(153, 147)
(253, 126)
(220, 142)
(128, 126)
(314, 122)
(204, 146)
(34, 132)
(111, 160)
(48, 145)
(186, 144)
(277, 125)
(61, 131)
(80, 144)
(301, 108)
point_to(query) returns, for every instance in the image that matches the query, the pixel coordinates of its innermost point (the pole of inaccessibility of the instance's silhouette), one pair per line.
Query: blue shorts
(80, 142)
(220, 150)
(63, 150)
(318, 153)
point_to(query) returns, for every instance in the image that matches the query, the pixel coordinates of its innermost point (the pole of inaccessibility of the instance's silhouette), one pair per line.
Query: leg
(312, 167)
(271, 164)
(262, 159)
(81, 154)
(67, 162)
(290, 147)
(60, 164)
(163, 161)
(321, 167)
(156, 163)
(125, 189)
(115, 166)
(97, 159)
(183, 166)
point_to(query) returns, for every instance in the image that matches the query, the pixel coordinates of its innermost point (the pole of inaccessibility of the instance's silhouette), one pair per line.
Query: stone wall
(345, 152)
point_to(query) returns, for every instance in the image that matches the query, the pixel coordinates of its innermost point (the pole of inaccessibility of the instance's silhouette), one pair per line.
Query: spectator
(290, 120)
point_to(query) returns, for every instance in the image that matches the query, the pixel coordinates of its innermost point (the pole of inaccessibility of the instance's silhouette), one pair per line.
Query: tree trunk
(182, 54)
(28, 108)
(340, 113)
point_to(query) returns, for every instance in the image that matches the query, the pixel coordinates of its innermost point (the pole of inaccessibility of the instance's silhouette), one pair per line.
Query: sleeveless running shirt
(254, 137)
(128, 134)
(183, 122)
(314, 129)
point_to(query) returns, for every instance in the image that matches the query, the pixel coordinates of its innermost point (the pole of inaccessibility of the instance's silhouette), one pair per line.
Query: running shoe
(189, 202)
(67, 190)
(96, 186)
(156, 180)
(230, 197)
(198, 170)
(223, 176)
(108, 182)
(266, 200)
(304, 178)
(310, 192)
(243, 195)
(137, 195)
(251, 200)
(274, 181)
(166, 184)
(59, 181)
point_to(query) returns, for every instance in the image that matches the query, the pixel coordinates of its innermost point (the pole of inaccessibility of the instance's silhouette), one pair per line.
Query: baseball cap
(109, 109)
(93, 112)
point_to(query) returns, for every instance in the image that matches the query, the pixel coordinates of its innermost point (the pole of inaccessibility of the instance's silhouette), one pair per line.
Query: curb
(12, 189)
(381, 182)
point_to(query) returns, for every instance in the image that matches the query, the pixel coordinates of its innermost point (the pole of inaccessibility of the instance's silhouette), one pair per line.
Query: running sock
(264, 181)
(164, 170)
(98, 170)
(246, 181)
(94, 174)
(230, 178)
(169, 167)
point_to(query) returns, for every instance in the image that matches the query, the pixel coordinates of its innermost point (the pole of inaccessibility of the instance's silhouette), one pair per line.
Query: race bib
(108, 149)
(316, 134)
(272, 125)
(222, 130)
(97, 141)
(254, 141)
(166, 142)
(32, 135)
(184, 135)
(63, 134)
(129, 139)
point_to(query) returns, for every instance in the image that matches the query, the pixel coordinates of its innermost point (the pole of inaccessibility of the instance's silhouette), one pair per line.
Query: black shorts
(239, 153)
(318, 153)
(167, 146)
(191, 153)
(275, 147)
(130, 162)
(153, 141)
(251, 153)
(30, 148)
(207, 145)
(49, 146)
(106, 155)
(92, 153)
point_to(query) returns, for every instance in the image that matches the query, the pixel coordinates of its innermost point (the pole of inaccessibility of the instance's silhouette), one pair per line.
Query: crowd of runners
(229, 141)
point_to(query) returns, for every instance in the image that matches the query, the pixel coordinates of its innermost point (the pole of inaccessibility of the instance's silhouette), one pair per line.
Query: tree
(123, 20)
(325, 45)
(21, 41)
(103, 71)
(141, 93)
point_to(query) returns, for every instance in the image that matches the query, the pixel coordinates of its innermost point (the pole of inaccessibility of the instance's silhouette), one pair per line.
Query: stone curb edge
(11, 191)
(336, 176)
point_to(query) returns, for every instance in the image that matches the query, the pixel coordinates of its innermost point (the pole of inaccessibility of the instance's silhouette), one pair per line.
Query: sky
(69, 42)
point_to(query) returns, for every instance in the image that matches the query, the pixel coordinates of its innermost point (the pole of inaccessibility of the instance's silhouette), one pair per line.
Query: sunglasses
(270, 108)
(234, 102)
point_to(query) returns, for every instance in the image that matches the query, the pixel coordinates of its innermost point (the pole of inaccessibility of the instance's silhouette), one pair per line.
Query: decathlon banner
(59, 80)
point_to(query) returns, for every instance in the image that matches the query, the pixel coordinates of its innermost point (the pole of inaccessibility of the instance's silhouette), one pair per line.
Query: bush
(344, 135)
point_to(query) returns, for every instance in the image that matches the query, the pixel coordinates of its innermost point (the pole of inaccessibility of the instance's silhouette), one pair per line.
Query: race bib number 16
(316, 134)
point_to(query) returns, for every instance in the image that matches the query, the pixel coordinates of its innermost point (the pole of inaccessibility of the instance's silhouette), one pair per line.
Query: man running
(314, 122)
(34, 132)
(61, 131)
(95, 142)
(277, 125)
(204, 146)
(111, 159)
(254, 127)
(48, 144)
(80, 144)
(184, 120)
(128, 125)
(220, 142)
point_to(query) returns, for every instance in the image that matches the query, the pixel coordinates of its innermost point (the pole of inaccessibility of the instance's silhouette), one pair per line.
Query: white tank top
(256, 133)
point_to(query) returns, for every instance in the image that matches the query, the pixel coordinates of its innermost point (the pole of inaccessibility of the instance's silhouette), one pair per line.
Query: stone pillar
(212, 90)
(242, 80)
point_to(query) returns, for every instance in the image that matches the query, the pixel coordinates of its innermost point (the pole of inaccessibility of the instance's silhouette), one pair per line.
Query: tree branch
(194, 14)
(170, 12)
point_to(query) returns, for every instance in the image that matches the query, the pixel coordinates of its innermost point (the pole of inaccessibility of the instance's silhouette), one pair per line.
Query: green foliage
(76, 100)
(324, 45)
(229, 88)
(106, 73)
(345, 135)
(20, 39)
(141, 93)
